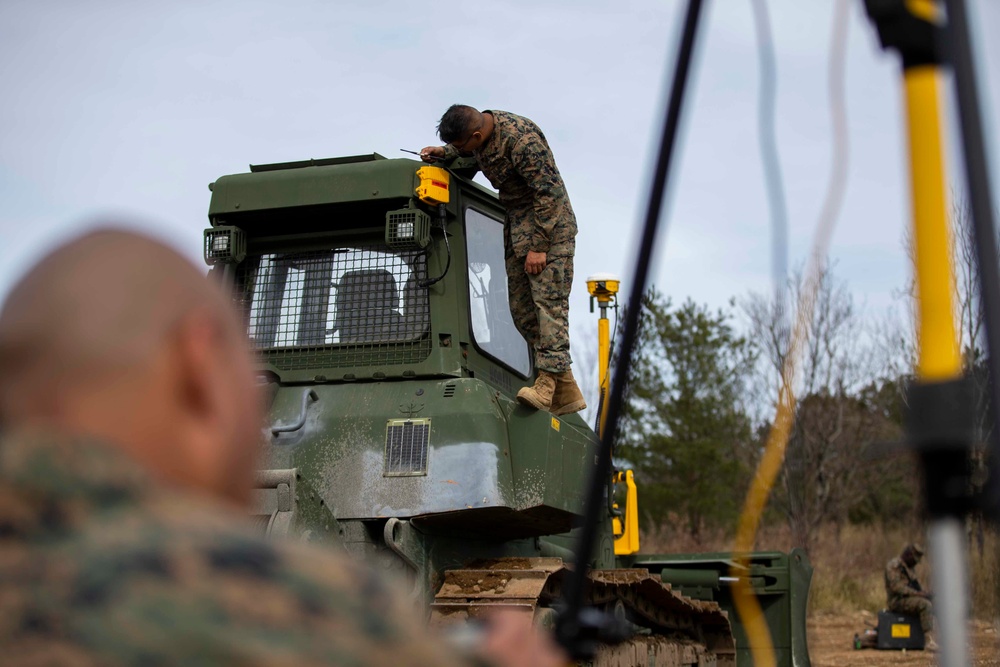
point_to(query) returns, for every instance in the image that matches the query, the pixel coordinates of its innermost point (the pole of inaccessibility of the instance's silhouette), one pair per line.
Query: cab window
(493, 328)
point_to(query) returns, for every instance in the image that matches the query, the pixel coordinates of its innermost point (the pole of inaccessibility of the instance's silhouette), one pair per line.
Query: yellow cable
(747, 607)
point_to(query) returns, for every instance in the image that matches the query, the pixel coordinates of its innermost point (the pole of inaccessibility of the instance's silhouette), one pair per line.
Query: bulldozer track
(671, 630)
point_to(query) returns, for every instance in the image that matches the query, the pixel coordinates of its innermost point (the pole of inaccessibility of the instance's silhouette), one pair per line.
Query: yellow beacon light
(434, 185)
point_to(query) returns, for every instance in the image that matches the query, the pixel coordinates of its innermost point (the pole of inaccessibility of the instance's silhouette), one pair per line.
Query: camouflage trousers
(539, 305)
(915, 606)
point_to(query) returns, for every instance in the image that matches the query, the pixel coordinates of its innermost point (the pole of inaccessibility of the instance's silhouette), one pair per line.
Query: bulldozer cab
(344, 271)
(374, 294)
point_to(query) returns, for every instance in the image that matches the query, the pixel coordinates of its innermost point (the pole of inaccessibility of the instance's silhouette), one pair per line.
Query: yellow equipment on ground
(604, 288)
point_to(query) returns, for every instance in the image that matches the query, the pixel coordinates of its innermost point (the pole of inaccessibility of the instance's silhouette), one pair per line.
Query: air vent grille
(406, 447)
(449, 390)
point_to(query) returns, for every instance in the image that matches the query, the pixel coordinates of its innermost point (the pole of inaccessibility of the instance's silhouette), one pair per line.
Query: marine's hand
(511, 640)
(432, 153)
(535, 263)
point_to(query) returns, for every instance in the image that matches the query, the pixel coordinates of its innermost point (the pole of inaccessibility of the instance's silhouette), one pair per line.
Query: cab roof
(355, 178)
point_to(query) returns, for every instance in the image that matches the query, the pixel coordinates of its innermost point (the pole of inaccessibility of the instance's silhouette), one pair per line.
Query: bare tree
(821, 478)
(969, 319)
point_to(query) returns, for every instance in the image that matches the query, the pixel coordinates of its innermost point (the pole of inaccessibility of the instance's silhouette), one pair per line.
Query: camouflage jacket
(900, 581)
(101, 565)
(518, 162)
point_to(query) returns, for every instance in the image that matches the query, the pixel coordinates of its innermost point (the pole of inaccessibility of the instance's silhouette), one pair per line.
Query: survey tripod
(940, 418)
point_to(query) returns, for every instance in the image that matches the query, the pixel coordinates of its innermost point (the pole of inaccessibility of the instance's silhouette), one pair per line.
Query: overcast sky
(127, 110)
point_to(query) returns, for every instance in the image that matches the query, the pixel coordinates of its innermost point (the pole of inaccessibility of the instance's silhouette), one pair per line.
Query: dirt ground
(830, 644)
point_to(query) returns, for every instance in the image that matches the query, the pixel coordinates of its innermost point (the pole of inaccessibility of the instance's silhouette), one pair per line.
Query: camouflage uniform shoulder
(105, 566)
(519, 163)
(515, 124)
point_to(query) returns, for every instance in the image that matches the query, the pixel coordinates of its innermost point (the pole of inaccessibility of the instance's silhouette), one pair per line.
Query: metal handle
(308, 396)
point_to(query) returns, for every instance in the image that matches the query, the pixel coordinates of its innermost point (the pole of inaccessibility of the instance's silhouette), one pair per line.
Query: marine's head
(912, 553)
(117, 337)
(463, 127)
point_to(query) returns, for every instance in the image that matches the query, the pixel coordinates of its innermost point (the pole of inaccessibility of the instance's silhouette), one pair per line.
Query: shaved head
(117, 336)
(98, 305)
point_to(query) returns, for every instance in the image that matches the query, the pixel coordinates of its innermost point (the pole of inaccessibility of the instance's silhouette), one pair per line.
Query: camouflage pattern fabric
(900, 585)
(101, 565)
(914, 606)
(539, 305)
(518, 162)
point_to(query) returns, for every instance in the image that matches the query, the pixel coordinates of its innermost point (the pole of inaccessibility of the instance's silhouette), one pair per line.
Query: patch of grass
(849, 566)
(844, 593)
(984, 576)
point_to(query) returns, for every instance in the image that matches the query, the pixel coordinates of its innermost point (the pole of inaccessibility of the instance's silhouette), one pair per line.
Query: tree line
(703, 387)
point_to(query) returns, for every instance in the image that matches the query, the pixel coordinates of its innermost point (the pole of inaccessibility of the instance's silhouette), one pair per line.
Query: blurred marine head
(117, 337)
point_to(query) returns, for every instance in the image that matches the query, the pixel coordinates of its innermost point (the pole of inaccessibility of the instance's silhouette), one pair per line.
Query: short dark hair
(458, 122)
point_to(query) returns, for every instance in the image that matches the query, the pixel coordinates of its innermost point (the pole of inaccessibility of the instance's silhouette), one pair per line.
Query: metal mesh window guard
(341, 307)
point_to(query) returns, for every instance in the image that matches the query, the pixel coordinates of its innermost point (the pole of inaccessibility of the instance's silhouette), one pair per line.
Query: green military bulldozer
(374, 294)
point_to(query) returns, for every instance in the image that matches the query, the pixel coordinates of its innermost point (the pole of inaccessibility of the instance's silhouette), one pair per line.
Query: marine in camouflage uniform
(514, 155)
(903, 590)
(101, 565)
(129, 419)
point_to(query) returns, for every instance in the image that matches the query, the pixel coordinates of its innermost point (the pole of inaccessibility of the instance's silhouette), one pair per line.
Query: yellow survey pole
(940, 415)
(603, 288)
(938, 355)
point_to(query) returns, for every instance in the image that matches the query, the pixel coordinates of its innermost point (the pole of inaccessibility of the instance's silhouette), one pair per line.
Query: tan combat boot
(540, 395)
(567, 397)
